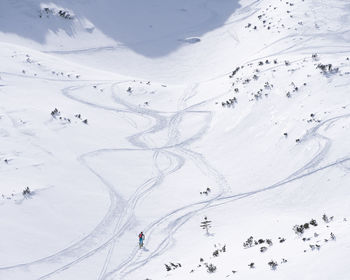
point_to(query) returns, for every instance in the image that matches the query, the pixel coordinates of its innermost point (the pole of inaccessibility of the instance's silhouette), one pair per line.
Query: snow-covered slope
(129, 116)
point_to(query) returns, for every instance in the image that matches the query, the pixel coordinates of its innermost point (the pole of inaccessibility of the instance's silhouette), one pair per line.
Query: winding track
(118, 205)
(183, 214)
(120, 213)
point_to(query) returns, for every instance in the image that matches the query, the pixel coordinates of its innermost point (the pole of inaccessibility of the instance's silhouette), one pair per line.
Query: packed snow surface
(124, 116)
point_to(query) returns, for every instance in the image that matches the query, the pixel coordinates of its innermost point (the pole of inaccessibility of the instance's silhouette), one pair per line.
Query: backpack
(140, 235)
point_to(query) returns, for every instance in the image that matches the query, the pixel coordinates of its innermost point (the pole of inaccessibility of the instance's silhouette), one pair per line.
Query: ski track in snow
(177, 152)
(80, 247)
(120, 214)
(183, 214)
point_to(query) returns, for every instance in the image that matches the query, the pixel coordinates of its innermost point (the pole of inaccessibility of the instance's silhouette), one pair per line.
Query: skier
(141, 238)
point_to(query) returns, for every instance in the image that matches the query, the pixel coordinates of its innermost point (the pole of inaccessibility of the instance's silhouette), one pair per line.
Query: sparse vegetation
(273, 264)
(206, 225)
(48, 12)
(27, 192)
(211, 268)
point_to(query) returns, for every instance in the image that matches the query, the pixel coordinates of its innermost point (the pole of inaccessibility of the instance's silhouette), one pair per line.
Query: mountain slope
(127, 117)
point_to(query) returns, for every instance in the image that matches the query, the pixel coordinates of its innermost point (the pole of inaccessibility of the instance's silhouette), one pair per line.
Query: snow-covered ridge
(163, 116)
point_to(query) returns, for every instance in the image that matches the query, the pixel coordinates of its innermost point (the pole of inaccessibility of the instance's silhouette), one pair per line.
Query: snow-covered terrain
(129, 116)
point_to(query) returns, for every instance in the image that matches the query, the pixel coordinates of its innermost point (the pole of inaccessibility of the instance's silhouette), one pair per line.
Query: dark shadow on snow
(145, 249)
(152, 28)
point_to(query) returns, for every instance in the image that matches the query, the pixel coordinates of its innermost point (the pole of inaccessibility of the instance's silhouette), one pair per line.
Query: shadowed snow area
(134, 38)
(149, 28)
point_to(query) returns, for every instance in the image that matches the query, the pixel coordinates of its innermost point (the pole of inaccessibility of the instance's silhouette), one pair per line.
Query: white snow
(156, 102)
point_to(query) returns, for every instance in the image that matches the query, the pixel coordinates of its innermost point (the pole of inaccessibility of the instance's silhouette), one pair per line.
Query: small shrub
(315, 56)
(211, 268)
(206, 225)
(234, 72)
(55, 113)
(167, 267)
(298, 229)
(26, 192)
(249, 242)
(263, 249)
(251, 265)
(325, 218)
(332, 236)
(272, 264)
(223, 249)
